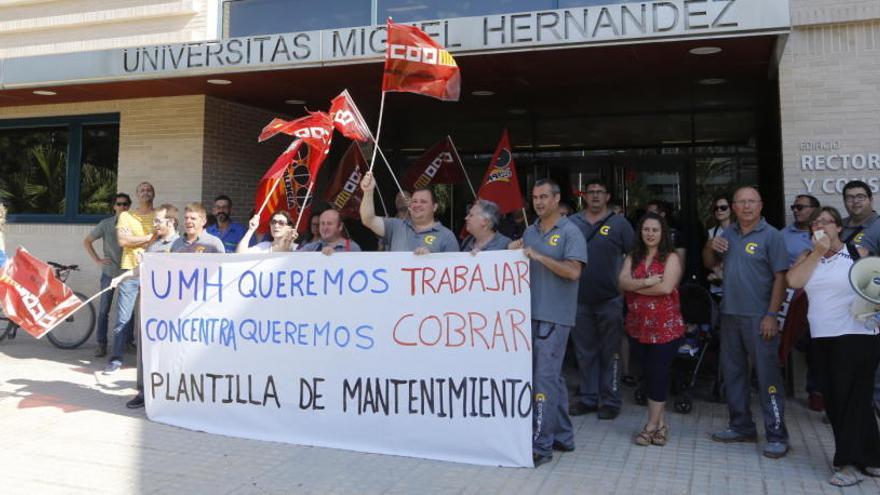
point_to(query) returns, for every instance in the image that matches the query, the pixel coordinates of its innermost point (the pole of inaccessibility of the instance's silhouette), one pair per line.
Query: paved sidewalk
(65, 429)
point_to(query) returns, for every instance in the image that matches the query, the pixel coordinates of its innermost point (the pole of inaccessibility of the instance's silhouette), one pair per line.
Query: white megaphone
(864, 277)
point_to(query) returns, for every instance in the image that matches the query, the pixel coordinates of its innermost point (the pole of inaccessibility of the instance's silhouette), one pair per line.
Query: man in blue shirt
(557, 253)
(229, 232)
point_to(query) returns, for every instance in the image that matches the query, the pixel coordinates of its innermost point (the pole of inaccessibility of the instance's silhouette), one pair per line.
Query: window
(421, 10)
(253, 17)
(58, 169)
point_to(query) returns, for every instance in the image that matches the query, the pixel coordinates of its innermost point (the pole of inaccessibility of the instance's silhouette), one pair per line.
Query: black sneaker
(608, 412)
(580, 409)
(561, 447)
(101, 351)
(539, 460)
(136, 403)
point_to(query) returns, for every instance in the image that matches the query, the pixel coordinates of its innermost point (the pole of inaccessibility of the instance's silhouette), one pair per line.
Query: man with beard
(229, 232)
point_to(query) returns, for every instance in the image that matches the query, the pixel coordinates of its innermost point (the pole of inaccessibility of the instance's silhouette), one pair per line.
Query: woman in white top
(845, 352)
(281, 230)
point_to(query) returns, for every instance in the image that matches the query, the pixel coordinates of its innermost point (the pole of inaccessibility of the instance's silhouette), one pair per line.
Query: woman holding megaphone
(846, 351)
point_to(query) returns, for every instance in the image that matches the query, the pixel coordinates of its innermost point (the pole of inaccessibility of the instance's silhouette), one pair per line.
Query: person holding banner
(196, 239)
(134, 230)
(166, 222)
(557, 254)
(481, 223)
(281, 230)
(844, 352)
(420, 233)
(330, 239)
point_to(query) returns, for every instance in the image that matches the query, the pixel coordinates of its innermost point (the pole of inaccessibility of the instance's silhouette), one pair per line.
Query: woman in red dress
(649, 279)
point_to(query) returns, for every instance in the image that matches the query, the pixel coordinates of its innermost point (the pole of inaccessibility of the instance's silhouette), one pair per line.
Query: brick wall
(233, 159)
(160, 140)
(829, 86)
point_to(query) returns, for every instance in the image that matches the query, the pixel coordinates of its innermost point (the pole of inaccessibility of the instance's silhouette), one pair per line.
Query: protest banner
(424, 356)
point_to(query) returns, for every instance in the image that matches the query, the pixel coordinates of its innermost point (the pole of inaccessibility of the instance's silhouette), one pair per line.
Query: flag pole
(81, 306)
(378, 132)
(303, 207)
(268, 196)
(390, 170)
(461, 163)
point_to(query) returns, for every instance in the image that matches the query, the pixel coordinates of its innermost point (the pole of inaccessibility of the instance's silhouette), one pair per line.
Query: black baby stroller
(700, 313)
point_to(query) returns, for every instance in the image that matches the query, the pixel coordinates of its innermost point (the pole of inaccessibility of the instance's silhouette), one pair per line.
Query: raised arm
(368, 209)
(245, 241)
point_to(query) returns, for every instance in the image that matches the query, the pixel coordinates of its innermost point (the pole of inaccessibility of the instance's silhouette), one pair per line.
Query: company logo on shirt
(604, 230)
(554, 240)
(771, 389)
(200, 249)
(751, 247)
(857, 240)
(429, 239)
(539, 397)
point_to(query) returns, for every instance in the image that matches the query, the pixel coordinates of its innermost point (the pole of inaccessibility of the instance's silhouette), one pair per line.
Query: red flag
(348, 119)
(438, 165)
(316, 129)
(500, 184)
(293, 168)
(31, 296)
(344, 193)
(415, 63)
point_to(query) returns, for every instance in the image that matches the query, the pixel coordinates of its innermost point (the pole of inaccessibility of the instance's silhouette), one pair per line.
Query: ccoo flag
(32, 296)
(344, 192)
(438, 165)
(348, 119)
(500, 183)
(415, 63)
(292, 167)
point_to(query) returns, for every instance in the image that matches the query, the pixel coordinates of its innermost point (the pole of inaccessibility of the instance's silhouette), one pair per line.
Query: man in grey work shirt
(109, 263)
(330, 239)
(196, 239)
(420, 233)
(557, 252)
(165, 224)
(755, 262)
(862, 229)
(598, 334)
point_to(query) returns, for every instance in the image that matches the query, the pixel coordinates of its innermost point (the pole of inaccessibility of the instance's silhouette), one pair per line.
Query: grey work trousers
(741, 341)
(550, 421)
(598, 337)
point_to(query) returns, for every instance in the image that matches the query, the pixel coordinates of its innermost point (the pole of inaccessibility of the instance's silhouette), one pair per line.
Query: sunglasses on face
(721, 208)
(282, 223)
(799, 207)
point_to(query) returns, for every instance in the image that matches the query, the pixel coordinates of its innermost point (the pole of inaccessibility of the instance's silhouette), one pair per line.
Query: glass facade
(255, 17)
(58, 170)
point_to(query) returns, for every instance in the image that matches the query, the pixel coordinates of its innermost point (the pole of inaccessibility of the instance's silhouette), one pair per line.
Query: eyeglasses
(282, 223)
(800, 207)
(853, 198)
(721, 208)
(124, 203)
(821, 222)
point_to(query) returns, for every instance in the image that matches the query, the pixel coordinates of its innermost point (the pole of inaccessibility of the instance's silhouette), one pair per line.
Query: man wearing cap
(755, 262)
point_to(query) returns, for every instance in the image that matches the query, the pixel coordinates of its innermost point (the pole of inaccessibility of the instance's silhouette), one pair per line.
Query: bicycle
(76, 329)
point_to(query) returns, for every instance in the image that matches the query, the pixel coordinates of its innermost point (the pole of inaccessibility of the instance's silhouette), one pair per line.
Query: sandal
(660, 436)
(644, 437)
(846, 476)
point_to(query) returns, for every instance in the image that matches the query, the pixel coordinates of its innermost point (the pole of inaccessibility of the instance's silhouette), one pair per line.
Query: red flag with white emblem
(293, 170)
(344, 193)
(348, 119)
(438, 165)
(500, 183)
(415, 63)
(32, 296)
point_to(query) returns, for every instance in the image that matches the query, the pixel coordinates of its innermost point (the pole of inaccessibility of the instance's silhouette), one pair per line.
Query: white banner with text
(392, 353)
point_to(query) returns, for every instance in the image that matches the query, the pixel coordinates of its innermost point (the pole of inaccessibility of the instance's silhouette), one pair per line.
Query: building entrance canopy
(571, 27)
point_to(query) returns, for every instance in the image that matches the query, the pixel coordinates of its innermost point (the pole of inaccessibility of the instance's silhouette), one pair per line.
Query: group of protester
(595, 279)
